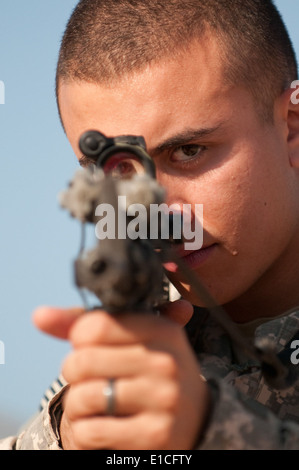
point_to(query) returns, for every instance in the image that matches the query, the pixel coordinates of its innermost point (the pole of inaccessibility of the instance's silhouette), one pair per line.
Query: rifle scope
(121, 157)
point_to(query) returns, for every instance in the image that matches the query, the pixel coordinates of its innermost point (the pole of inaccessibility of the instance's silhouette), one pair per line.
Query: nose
(175, 186)
(187, 215)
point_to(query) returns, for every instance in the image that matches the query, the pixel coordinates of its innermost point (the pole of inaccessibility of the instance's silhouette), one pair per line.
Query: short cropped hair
(107, 39)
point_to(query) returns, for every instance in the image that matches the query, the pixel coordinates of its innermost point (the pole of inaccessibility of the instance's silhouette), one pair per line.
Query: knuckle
(67, 367)
(81, 435)
(83, 361)
(89, 434)
(165, 365)
(92, 328)
(169, 329)
(82, 400)
(78, 365)
(100, 328)
(70, 406)
(159, 433)
(168, 397)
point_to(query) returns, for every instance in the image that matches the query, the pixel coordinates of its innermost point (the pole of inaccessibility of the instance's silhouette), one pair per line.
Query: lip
(192, 259)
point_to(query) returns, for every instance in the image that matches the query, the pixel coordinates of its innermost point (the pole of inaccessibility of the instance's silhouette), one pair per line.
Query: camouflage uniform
(246, 413)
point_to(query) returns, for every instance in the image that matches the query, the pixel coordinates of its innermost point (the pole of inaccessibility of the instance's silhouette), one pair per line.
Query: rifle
(124, 270)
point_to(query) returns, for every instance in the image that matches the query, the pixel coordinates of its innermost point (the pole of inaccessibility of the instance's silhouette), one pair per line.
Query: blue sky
(38, 239)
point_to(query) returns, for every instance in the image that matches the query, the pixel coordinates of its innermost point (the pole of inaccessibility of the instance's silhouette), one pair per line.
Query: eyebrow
(180, 139)
(85, 161)
(185, 137)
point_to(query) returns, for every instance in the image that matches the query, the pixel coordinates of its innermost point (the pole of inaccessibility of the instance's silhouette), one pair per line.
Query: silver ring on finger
(109, 393)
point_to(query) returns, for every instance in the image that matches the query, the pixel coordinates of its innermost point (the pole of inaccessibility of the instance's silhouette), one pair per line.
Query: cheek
(246, 200)
(255, 217)
(225, 199)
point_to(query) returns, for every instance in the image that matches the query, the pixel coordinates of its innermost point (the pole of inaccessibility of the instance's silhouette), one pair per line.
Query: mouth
(192, 259)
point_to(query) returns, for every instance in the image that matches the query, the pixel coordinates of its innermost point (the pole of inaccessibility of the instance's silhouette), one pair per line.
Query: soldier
(208, 85)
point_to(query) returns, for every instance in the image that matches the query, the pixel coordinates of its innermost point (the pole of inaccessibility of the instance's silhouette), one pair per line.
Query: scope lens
(123, 165)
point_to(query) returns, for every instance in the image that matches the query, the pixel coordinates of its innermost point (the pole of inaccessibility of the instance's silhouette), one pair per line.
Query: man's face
(210, 148)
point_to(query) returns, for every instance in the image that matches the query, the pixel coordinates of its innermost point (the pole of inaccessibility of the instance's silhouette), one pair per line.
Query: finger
(130, 396)
(92, 362)
(102, 328)
(56, 321)
(180, 311)
(122, 361)
(138, 432)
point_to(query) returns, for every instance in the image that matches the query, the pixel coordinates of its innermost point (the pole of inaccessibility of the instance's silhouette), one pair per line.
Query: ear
(293, 123)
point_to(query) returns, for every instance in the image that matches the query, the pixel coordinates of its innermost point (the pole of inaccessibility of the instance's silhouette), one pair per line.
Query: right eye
(123, 166)
(187, 152)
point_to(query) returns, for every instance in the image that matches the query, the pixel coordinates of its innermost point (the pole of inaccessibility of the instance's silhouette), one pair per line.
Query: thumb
(55, 321)
(180, 311)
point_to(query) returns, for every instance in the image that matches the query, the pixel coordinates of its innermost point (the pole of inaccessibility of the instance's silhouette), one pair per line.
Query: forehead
(186, 91)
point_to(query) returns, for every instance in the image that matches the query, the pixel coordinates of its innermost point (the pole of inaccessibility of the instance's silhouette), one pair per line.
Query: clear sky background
(38, 240)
